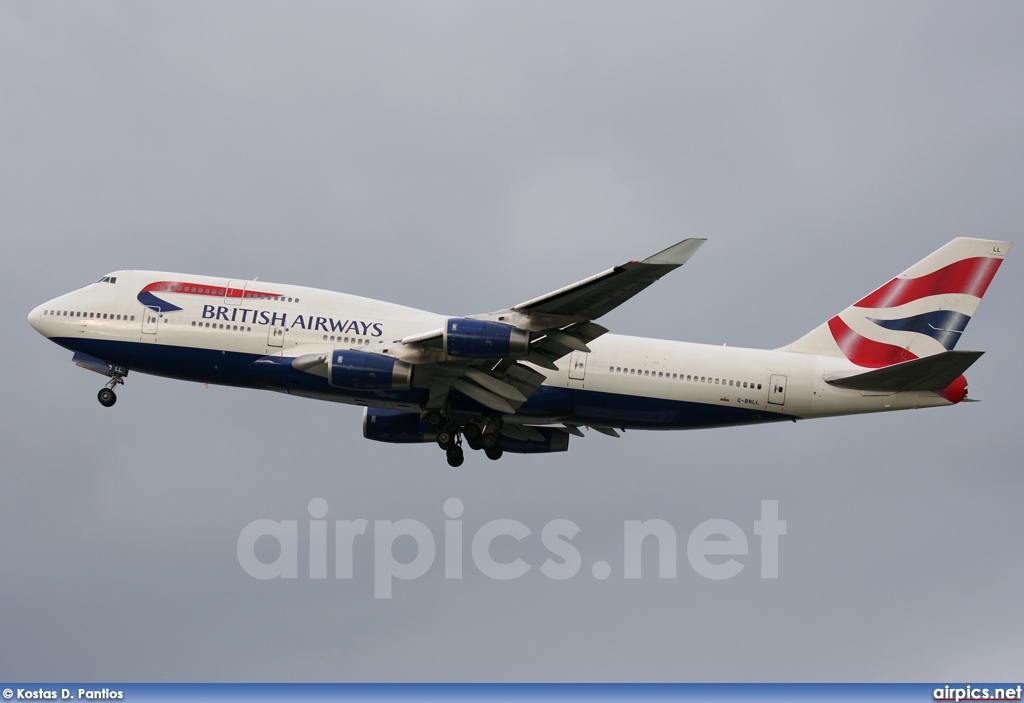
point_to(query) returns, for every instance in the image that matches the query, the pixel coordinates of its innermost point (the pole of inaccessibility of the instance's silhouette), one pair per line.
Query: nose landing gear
(106, 396)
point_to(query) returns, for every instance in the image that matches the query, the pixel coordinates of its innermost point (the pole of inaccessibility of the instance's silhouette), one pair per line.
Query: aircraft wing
(547, 329)
(562, 321)
(559, 323)
(593, 297)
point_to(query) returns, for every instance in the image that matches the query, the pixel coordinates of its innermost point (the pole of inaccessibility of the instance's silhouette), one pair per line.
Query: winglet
(677, 254)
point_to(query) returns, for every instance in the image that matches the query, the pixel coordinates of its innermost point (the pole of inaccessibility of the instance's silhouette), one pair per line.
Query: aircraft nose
(35, 318)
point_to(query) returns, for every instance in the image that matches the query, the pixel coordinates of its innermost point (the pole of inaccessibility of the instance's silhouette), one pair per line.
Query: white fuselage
(145, 321)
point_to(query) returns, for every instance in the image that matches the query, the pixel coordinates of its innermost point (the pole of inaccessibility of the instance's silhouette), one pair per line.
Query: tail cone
(955, 391)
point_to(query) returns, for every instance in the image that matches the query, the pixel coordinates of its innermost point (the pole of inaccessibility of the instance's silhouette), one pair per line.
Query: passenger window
(758, 386)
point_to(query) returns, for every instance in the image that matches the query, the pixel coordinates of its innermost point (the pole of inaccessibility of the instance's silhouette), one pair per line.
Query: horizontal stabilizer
(931, 373)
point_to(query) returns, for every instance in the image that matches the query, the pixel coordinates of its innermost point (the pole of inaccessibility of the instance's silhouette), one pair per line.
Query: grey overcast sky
(462, 157)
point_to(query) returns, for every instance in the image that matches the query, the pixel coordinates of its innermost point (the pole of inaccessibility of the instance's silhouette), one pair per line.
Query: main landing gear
(106, 396)
(477, 436)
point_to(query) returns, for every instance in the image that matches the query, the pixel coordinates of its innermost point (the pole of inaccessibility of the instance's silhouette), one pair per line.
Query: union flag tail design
(921, 312)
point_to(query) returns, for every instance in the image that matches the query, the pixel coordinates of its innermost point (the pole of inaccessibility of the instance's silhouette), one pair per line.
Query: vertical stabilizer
(921, 312)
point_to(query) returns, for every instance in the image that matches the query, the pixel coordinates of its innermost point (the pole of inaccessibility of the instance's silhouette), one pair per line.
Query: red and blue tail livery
(526, 378)
(921, 312)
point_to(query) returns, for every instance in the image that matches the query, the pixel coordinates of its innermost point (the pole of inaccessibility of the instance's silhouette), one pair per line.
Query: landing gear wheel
(490, 440)
(494, 454)
(474, 444)
(445, 439)
(455, 457)
(435, 418)
(107, 397)
(471, 431)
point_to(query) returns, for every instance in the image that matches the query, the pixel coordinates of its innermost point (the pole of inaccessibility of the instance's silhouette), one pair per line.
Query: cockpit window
(108, 279)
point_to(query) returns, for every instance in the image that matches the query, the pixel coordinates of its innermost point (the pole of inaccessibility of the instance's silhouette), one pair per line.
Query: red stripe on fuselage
(186, 288)
(863, 351)
(967, 276)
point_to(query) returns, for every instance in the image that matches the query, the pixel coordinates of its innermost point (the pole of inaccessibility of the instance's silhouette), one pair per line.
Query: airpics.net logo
(716, 549)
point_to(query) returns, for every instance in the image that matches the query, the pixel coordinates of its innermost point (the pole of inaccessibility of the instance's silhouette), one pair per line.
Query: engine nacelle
(365, 371)
(396, 427)
(482, 339)
(554, 441)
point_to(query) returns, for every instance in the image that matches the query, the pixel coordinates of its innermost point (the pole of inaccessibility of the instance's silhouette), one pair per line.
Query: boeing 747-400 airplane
(526, 378)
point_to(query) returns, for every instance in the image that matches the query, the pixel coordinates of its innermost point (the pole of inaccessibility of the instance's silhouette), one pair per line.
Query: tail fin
(921, 312)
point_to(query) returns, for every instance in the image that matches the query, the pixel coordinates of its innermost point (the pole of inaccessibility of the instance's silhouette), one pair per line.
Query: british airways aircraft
(526, 378)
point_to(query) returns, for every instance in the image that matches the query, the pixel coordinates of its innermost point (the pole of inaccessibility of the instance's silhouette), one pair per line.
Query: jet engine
(396, 427)
(365, 371)
(482, 339)
(554, 441)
